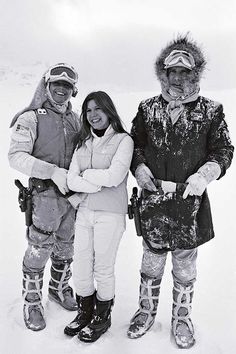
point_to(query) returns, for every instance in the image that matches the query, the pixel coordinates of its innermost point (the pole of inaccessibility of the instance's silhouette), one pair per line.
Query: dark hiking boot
(84, 316)
(100, 322)
(59, 289)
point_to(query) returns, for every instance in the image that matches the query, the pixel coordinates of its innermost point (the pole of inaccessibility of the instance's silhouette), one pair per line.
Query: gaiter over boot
(182, 327)
(32, 294)
(144, 317)
(100, 322)
(84, 316)
(59, 288)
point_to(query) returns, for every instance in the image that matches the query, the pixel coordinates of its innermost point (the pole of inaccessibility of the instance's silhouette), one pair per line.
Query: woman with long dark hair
(98, 173)
(105, 103)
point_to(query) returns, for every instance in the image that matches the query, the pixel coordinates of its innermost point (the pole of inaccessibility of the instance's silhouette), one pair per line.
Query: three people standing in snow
(181, 144)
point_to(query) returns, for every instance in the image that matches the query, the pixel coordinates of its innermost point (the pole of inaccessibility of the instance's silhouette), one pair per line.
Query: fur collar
(181, 43)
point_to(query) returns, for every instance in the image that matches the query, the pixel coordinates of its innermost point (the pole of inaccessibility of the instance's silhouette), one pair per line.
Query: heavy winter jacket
(43, 139)
(99, 170)
(173, 153)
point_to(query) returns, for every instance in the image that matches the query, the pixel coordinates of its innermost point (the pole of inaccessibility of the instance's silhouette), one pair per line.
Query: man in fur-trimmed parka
(181, 144)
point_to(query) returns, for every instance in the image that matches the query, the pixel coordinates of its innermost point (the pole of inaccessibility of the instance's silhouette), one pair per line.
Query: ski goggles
(179, 58)
(62, 72)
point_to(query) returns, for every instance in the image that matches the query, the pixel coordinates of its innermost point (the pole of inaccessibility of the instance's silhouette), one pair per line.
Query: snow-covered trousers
(184, 269)
(97, 237)
(52, 231)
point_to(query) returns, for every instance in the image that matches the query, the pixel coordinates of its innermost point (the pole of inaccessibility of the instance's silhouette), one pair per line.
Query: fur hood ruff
(188, 45)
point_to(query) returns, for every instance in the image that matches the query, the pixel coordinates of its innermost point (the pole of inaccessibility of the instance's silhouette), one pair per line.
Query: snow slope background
(113, 44)
(214, 309)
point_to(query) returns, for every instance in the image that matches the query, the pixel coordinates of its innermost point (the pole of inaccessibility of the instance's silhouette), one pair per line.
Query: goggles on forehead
(62, 72)
(179, 58)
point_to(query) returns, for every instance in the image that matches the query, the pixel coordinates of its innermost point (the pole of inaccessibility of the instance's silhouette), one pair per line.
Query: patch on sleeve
(21, 129)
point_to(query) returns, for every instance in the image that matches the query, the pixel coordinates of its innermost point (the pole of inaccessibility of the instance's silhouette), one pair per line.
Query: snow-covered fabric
(144, 317)
(52, 231)
(184, 270)
(42, 140)
(173, 153)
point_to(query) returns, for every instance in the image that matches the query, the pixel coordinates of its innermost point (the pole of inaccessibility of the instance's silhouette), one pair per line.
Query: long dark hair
(107, 106)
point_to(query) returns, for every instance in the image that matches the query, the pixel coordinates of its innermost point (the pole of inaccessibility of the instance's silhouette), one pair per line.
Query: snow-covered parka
(42, 139)
(99, 171)
(173, 153)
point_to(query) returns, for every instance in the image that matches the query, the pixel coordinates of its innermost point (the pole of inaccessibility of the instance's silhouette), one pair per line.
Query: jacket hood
(41, 95)
(186, 44)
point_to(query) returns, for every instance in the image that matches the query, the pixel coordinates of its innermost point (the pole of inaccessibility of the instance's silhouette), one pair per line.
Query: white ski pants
(97, 237)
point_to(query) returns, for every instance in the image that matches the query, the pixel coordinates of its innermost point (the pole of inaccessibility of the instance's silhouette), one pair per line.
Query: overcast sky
(115, 42)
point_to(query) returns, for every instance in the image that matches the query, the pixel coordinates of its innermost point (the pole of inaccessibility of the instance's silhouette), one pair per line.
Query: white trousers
(97, 237)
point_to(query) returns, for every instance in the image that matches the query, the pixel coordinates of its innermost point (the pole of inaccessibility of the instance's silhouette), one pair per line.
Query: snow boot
(59, 289)
(182, 327)
(144, 317)
(32, 295)
(100, 322)
(84, 316)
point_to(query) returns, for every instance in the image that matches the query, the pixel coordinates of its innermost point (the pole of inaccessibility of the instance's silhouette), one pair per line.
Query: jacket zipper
(65, 135)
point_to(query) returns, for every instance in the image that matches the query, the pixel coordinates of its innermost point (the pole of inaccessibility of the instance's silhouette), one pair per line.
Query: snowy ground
(214, 309)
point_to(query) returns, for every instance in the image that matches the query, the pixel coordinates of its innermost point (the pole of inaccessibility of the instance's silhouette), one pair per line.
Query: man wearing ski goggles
(42, 145)
(62, 72)
(179, 58)
(179, 137)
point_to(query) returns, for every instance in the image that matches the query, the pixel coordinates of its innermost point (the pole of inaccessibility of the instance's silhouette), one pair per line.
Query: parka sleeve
(139, 135)
(118, 169)
(219, 143)
(24, 134)
(76, 182)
